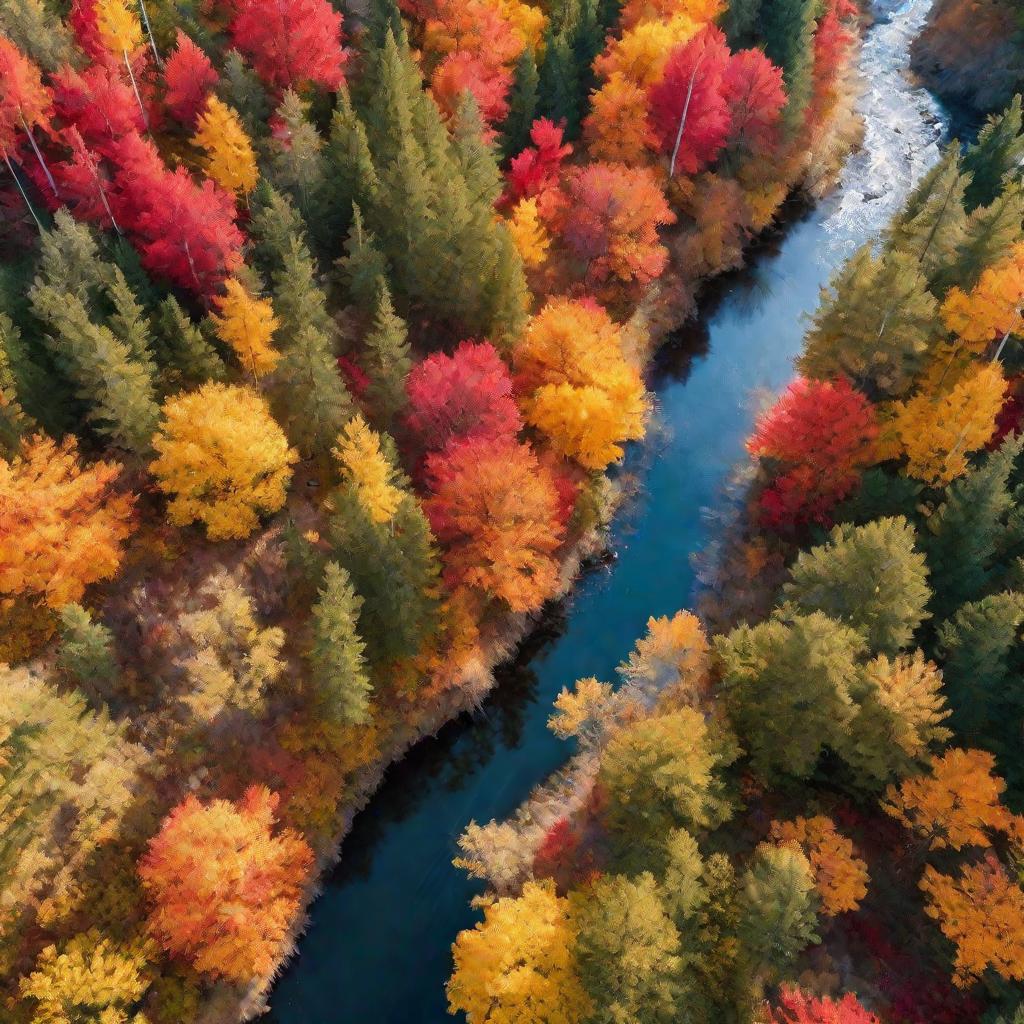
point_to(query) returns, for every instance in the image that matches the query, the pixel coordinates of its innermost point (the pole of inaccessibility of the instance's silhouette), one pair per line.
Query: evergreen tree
(787, 27)
(275, 223)
(870, 578)
(184, 355)
(22, 383)
(523, 104)
(128, 322)
(69, 258)
(37, 33)
(683, 892)
(14, 424)
(388, 360)
(998, 152)
(880, 494)
(299, 301)
(297, 167)
(740, 23)
(241, 89)
(476, 157)
(85, 651)
(558, 83)
(339, 671)
(363, 266)
(965, 531)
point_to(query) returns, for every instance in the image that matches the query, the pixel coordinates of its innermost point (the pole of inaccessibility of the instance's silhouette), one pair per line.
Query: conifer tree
(297, 166)
(558, 83)
(128, 322)
(868, 577)
(363, 267)
(275, 223)
(787, 27)
(69, 257)
(997, 153)
(966, 530)
(343, 688)
(243, 91)
(740, 21)
(22, 384)
(14, 424)
(85, 652)
(186, 358)
(387, 361)
(522, 104)
(36, 32)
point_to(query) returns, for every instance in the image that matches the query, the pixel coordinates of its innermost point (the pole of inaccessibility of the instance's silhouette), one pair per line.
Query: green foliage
(998, 152)
(275, 226)
(14, 422)
(387, 361)
(241, 89)
(86, 651)
(185, 357)
(128, 321)
(297, 167)
(787, 27)
(740, 22)
(336, 654)
(523, 101)
(786, 684)
(868, 577)
(880, 495)
(37, 32)
(682, 885)
(363, 267)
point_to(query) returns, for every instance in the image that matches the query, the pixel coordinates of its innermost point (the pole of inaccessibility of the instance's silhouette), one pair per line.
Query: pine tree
(242, 90)
(997, 153)
(787, 27)
(275, 223)
(297, 167)
(477, 158)
(69, 257)
(86, 652)
(129, 323)
(388, 360)
(558, 83)
(363, 266)
(184, 355)
(20, 381)
(522, 105)
(36, 32)
(965, 531)
(336, 654)
(740, 21)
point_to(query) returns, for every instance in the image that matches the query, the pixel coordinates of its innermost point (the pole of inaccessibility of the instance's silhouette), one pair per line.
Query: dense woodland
(813, 816)
(318, 331)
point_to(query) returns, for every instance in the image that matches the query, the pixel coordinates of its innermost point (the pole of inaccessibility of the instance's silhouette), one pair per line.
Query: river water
(378, 947)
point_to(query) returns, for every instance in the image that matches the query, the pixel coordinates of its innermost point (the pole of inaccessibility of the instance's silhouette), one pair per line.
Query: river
(378, 947)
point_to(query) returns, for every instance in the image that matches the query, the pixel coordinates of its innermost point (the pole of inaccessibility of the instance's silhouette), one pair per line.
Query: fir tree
(740, 22)
(14, 424)
(128, 322)
(363, 266)
(336, 654)
(85, 651)
(387, 361)
(184, 355)
(558, 79)
(998, 152)
(522, 104)
(37, 33)
(69, 258)
(241, 89)
(477, 159)
(297, 167)
(299, 300)
(787, 27)
(21, 381)
(275, 223)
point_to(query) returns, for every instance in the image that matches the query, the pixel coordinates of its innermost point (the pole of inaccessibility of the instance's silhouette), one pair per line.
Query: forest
(803, 806)
(320, 328)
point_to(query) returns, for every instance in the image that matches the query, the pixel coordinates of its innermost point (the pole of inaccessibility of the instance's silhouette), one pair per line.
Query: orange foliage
(993, 306)
(839, 876)
(639, 12)
(225, 888)
(641, 53)
(982, 912)
(616, 127)
(956, 805)
(61, 526)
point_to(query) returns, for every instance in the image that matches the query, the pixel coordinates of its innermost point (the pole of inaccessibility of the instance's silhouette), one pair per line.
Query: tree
(184, 354)
(753, 88)
(246, 325)
(467, 394)
(230, 160)
(956, 805)
(778, 910)
(617, 129)
(363, 268)
(938, 432)
(640, 54)
(786, 685)
(222, 459)
(297, 164)
(370, 469)
(487, 82)
(610, 227)
(86, 650)
(787, 27)
(522, 103)
(868, 577)
(291, 43)
(796, 1007)
(387, 359)
(990, 310)
(65, 524)
(981, 911)
(660, 773)
(99, 104)
(998, 151)
(494, 508)
(536, 171)
(517, 964)
(336, 654)
(690, 113)
(225, 886)
(529, 233)
(92, 977)
(673, 657)
(839, 875)
(189, 77)
(627, 951)
(24, 103)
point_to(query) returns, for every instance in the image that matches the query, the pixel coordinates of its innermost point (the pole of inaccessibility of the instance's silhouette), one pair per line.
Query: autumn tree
(368, 464)
(839, 875)
(796, 1007)
(25, 103)
(230, 159)
(189, 76)
(64, 524)
(618, 129)
(981, 911)
(222, 460)
(529, 233)
(672, 658)
(518, 964)
(225, 887)
(246, 324)
(493, 507)
(753, 88)
(336, 653)
(990, 310)
(956, 804)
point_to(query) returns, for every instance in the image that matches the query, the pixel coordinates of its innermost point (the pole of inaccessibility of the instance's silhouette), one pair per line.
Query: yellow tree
(230, 160)
(641, 53)
(673, 654)
(585, 396)
(839, 875)
(992, 309)
(246, 325)
(517, 965)
(957, 804)
(368, 468)
(62, 525)
(92, 979)
(616, 127)
(528, 232)
(222, 458)
(981, 911)
(938, 432)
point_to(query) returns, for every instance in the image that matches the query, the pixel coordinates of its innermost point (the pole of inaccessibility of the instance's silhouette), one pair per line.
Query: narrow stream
(378, 948)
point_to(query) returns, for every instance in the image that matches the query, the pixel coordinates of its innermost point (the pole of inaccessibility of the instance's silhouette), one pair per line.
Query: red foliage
(291, 43)
(1011, 416)
(556, 854)
(183, 231)
(82, 20)
(610, 225)
(356, 379)
(24, 100)
(189, 76)
(488, 83)
(537, 169)
(795, 1007)
(81, 183)
(467, 394)
(99, 103)
(692, 87)
(824, 434)
(831, 42)
(755, 94)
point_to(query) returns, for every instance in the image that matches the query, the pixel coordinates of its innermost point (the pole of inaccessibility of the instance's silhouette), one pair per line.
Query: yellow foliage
(230, 160)
(92, 979)
(639, 12)
(641, 53)
(674, 653)
(982, 912)
(528, 22)
(223, 458)
(992, 308)
(616, 128)
(578, 711)
(517, 964)
(368, 468)
(528, 232)
(118, 26)
(839, 876)
(937, 433)
(247, 325)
